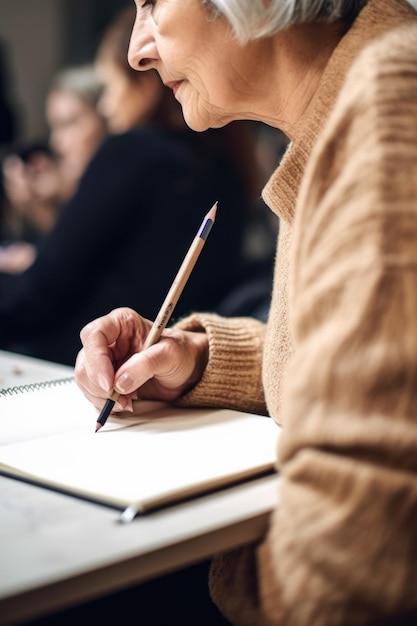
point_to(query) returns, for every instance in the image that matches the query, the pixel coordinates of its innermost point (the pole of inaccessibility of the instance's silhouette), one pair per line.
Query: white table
(57, 551)
(17, 370)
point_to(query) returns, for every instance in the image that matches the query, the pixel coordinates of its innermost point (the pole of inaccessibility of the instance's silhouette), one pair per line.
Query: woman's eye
(151, 7)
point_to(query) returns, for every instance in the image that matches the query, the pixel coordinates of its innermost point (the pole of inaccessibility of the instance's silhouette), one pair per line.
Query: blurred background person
(41, 176)
(155, 174)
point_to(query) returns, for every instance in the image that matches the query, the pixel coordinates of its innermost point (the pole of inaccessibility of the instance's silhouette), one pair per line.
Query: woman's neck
(299, 57)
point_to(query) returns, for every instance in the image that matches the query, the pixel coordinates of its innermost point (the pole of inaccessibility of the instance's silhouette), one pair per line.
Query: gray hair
(252, 19)
(80, 80)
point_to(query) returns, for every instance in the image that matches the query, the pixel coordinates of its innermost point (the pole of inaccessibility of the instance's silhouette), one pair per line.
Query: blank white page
(175, 453)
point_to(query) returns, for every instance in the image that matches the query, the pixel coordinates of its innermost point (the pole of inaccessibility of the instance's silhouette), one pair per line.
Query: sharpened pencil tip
(211, 215)
(208, 222)
(98, 426)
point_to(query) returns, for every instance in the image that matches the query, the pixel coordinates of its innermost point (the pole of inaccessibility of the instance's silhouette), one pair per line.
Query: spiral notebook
(159, 457)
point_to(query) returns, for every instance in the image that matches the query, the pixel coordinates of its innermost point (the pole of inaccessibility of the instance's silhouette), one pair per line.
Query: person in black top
(160, 178)
(39, 176)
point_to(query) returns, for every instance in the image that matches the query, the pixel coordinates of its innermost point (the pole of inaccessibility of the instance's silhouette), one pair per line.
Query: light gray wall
(42, 37)
(32, 33)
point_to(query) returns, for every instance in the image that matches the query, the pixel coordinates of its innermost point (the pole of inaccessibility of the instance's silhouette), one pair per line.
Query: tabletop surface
(58, 550)
(17, 370)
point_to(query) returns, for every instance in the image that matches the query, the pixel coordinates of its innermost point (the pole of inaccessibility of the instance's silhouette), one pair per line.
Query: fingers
(95, 361)
(112, 359)
(136, 371)
(108, 342)
(95, 392)
(16, 257)
(92, 391)
(12, 165)
(165, 370)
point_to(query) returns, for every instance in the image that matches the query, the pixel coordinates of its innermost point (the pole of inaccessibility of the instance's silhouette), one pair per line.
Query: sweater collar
(378, 16)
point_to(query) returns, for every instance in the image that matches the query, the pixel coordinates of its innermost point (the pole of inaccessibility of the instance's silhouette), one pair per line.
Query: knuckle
(88, 329)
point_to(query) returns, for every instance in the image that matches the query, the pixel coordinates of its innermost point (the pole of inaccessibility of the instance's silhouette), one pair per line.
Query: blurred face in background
(76, 130)
(128, 99)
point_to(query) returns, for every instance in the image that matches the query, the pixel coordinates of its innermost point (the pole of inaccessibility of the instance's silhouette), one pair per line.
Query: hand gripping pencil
(171, 299)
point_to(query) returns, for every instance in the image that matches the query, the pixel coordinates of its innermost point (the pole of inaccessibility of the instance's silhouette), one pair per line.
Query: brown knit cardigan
(336, 363)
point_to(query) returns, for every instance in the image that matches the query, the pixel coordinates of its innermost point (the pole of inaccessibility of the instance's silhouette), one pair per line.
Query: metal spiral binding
(11, 391)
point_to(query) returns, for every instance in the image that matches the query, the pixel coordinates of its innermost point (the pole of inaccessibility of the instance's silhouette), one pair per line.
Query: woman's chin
(200, 124)
(196, 124)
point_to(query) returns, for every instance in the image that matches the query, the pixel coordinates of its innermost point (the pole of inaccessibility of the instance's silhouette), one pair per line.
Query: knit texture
(340, 349)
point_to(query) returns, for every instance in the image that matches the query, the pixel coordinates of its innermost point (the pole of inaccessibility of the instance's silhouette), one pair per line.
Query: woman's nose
(142, 54)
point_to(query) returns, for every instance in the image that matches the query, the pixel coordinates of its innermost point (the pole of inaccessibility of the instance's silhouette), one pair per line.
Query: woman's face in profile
(76, 128)
(197, 57)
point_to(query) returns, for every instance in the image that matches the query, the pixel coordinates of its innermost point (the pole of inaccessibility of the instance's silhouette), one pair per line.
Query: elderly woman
(336, 363)
(150, 173)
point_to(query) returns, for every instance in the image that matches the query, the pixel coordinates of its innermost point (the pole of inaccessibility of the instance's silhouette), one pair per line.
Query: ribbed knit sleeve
(233, 377)
(341, 547)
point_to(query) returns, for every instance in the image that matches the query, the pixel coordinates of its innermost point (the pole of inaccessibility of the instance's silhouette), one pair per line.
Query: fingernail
(124, 383)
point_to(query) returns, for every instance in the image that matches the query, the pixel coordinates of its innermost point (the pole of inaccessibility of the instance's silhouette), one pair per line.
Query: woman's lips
(174, 85)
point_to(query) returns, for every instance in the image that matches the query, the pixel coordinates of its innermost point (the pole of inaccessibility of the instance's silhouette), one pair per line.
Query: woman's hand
(33, 188)
(17, 183)
(16, 257)
(111, 360)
